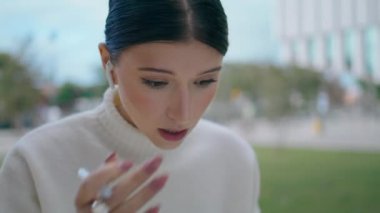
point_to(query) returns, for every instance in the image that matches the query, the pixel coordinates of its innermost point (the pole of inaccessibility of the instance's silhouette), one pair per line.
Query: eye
(154, 84)
(205, 83)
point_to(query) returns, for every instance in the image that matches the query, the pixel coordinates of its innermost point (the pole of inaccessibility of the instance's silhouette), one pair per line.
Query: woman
(163, 59)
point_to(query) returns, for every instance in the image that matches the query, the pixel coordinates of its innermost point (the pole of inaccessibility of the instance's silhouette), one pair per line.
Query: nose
(179, 109)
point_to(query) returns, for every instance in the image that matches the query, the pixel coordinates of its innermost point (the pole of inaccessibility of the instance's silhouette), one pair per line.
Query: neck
(120, 108)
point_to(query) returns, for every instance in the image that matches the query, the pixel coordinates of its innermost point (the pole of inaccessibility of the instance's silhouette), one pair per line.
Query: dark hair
(132, 22)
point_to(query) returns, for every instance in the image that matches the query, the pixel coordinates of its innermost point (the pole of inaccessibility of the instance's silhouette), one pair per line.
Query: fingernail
(111, 157)
(155, 209)
(159, 182)
(153, 165)
(126, 165)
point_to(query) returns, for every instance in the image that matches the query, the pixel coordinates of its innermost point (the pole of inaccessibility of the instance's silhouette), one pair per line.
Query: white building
(331, 35)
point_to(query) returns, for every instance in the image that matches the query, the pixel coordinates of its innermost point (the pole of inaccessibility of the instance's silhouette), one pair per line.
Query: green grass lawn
(319, 181)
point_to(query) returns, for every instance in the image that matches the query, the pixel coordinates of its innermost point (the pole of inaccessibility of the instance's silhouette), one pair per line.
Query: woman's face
(164, 88)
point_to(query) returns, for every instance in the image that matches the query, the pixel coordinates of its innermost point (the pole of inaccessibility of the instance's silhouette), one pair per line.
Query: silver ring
(99, 207)
(106, 192)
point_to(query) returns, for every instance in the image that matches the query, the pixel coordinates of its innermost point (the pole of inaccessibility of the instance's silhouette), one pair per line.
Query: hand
(121, 200)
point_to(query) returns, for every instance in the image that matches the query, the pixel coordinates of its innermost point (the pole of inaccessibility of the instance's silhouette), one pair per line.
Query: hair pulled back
(132, 22)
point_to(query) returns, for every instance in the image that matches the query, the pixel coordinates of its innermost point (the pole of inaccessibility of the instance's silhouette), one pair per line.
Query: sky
(65, 34)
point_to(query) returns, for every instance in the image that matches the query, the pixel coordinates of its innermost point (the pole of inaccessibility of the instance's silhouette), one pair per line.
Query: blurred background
(301, 82)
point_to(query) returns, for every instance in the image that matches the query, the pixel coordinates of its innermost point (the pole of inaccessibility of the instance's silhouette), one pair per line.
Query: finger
(143, 196)
(111, 158)
(155, 209)
(90, 187)
(128, 185)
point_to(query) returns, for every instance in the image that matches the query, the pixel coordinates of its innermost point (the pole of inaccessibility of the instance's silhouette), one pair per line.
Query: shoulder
(56, 133)
(219, 134)
(223, 140)
(64, 127)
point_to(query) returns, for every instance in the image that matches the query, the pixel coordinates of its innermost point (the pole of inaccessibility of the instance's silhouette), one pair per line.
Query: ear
(104, 54)
(106, 63)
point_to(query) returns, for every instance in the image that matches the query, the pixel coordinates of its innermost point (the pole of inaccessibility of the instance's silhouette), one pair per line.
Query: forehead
(174, 55)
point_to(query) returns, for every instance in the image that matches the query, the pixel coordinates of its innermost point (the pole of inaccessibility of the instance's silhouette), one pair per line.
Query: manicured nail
(126, 165)
(155, 209)
(153, 165)
(111, 157)
(159, 182)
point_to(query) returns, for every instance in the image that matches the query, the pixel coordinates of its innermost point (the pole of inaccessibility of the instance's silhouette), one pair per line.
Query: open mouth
(172, 135)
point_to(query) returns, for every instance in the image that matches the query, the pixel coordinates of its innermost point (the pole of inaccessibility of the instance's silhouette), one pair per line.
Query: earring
(108, 75)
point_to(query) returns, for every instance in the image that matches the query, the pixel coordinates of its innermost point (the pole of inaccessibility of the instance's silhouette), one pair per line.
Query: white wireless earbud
(108, 74)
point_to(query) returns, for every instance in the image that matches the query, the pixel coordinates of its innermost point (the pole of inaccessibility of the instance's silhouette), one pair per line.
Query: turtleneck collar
(124, 138)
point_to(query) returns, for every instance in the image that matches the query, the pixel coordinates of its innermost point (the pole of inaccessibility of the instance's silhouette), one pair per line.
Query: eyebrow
(152, 69)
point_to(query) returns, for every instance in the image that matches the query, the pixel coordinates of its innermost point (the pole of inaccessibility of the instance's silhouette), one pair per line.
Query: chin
(167, 145)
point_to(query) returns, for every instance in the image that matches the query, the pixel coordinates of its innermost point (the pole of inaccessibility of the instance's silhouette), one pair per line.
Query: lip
(171, 135)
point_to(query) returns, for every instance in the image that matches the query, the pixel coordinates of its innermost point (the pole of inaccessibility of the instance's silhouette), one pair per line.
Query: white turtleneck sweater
(213, 170)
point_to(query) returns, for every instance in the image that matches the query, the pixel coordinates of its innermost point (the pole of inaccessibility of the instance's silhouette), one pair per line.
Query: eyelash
(154, 84)
(205, 83)
(161, 84)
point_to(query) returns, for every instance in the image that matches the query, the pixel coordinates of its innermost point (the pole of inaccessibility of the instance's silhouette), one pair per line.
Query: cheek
(142, 103)
(204, 100)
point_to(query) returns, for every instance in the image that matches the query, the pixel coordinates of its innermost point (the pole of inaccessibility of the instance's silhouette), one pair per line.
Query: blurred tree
(18, 92)
(67, 95)
(69, 92)
(306, 81)
(270, 87)
(96, 90)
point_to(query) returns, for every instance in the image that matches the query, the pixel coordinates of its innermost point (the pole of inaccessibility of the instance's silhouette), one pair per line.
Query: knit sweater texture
(212, 171)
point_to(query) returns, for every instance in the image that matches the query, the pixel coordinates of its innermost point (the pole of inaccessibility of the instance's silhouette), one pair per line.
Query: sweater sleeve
(17, 189)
